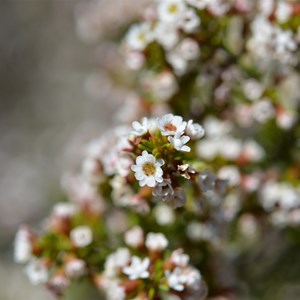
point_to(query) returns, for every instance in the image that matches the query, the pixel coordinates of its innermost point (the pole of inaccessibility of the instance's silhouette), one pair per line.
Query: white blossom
(253, 89)
(188, 49)
(37, 272)
(134, 60)
(189, 21)
(176, 279)
(266, 7)
(171, 125)
(148, 170)
(179, 142)
(22, 245)
(64, 209)
(166, 34)
(138, 268)
(283, 11)
(134, 237)
(81, 236)
(165, 86)
(230, 173)
(75, 268)
(164, 215)
(141, 128)
(156, 241)
(170, 10)
(139, 36)
(253, 151)
(115, 292)
(230, 148)
(179, 258)
(263, 110)
(116, 261)
(194, 130)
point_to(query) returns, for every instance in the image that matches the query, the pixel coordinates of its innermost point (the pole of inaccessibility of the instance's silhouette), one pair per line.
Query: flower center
(170, 127)
(142, 37)
(149, 169)
(173, 9)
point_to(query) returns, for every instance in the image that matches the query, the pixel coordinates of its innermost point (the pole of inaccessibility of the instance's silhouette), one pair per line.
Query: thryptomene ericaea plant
(201, 177)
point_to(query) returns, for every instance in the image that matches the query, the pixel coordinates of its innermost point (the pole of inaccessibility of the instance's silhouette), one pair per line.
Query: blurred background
(53, 100)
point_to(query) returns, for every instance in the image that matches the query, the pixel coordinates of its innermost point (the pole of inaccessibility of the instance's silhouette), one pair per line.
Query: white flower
(179, 142)
(64, 210)
(37, 272)
(170, 10)
(58, 283)
(148, 170)
(22, 245)
(170, 125)
(230, 173)
(141, 128)
(116, 261)
(208, 149)
(230, 148)
(188, 49)
(156, 241)
(189, 21)
(253, 89)
(283, 11)
(81, 236)
(193, 278)
(263, 110)
(218, 7)
(164, 215)
(178, 63)
(253, 151)
(134, 237)
(138, 268)
(139, 36)
(166, 34)
(194, 131)
(134, 60)
(286, 119)
(179, 258)
(199, 232)
(176, 279)
(75, 268)
(115, 292)
(266, 7)
(165, 86)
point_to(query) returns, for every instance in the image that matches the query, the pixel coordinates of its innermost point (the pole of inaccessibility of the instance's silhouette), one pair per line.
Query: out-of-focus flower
(156, 241)
(37, 272)
(134, 237)
(138, 268)
(81, 236)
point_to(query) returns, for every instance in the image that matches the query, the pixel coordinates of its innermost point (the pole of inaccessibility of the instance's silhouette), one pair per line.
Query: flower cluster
(127, 275)
(151, 186)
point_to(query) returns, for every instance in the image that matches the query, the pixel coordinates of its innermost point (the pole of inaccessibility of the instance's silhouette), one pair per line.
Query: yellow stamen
(149, 169)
